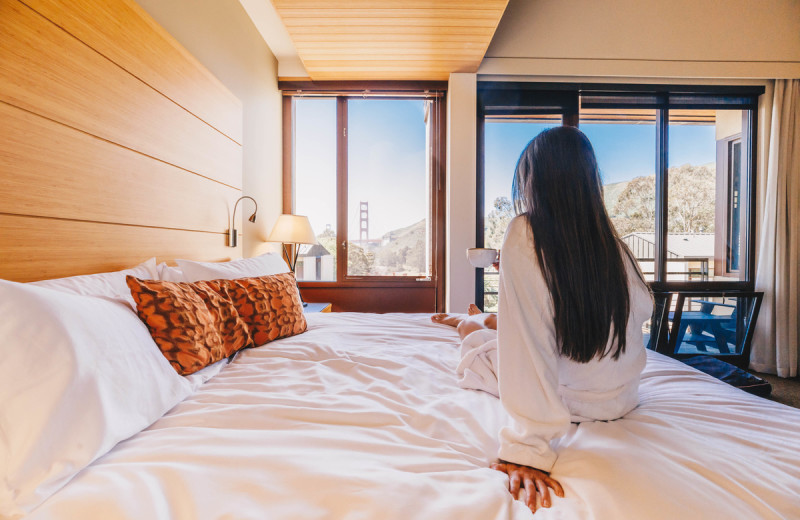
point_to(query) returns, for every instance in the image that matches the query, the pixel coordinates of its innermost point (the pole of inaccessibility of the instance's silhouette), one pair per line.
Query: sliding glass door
(677, 164)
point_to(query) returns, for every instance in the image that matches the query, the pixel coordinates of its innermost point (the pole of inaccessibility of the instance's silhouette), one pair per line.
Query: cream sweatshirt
(542, 391)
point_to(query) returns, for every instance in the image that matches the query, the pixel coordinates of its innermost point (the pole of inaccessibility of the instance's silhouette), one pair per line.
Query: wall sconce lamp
(294, 230)
(232, 230)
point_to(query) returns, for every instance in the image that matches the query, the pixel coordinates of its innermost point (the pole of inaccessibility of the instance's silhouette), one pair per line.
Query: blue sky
(623, 151)
(387, 158)
(386, 163)
(315, 161)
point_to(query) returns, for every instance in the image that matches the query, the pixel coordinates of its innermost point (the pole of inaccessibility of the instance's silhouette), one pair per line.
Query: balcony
(687, 269)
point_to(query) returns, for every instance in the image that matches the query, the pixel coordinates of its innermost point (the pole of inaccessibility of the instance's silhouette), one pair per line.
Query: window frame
(565, 98)
(725, 156)
(341, 91)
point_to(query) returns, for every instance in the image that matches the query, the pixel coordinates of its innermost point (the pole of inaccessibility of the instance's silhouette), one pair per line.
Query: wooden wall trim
(115, 144)
(82, 177)
(162, 62)
(35, 248)
(49, 72)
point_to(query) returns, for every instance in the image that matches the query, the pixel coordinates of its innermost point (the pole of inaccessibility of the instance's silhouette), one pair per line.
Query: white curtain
(775, 344)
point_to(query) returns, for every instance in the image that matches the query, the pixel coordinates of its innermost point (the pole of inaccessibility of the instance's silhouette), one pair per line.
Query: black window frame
(521, 98)
(731, 200)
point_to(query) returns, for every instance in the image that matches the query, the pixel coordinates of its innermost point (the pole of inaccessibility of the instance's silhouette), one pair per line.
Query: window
(368, 169)
(677, 164)
(389, 187)
(629, 179)
(510, 118)
(501, 134)
(315, 184)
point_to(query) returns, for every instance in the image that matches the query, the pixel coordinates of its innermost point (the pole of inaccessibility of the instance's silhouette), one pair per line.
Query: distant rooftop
(316, 250)
(682, 244)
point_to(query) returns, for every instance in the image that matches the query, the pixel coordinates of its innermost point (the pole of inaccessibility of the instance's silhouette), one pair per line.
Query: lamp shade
(292, 229)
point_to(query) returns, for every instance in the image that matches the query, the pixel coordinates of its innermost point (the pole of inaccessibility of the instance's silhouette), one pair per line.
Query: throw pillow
(269, 305)
(193, 324)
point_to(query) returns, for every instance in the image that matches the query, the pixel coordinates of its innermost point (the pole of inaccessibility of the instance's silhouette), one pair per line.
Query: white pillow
(104, 285)
(266, 264)
(78, 375)
(169, 273)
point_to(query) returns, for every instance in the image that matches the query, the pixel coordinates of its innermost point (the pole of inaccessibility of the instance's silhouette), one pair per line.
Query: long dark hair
(557, 186)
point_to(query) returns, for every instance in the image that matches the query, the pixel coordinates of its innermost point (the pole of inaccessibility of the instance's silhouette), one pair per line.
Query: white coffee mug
(481, 256)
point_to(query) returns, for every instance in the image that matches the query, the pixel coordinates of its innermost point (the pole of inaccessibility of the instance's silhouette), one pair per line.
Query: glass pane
(624, 141)
(712, 325)
(504, 141)
(388, 183)
(315, 184)
(734, 206)
(705, 187)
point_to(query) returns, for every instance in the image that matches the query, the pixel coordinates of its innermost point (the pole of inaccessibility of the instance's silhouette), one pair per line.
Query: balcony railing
(694, 269)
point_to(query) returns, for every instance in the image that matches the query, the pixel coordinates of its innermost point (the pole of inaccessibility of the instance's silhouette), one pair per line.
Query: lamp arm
(251, 198)
(232, 231)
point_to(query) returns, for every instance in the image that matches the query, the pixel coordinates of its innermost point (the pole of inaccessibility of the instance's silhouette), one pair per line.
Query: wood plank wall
(116, 145)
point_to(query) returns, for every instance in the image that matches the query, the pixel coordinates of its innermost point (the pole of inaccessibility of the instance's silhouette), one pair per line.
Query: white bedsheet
(361, 418)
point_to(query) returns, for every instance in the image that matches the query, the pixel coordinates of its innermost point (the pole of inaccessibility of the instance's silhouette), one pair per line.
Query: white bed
(361, 417)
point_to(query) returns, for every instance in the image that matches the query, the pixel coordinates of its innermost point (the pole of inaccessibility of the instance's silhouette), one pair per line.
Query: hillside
(408, 236)
(402, 250)
(611, 193)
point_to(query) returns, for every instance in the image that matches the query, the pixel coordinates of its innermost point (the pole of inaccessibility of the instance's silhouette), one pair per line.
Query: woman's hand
(534, 481)
(496, 263)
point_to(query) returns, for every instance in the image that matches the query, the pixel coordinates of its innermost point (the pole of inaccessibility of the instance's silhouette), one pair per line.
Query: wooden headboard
(115, 143)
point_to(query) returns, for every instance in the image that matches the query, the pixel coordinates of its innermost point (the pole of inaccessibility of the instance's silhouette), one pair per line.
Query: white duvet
(361, 417)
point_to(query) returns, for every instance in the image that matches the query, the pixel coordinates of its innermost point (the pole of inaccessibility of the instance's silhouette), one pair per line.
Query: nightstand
(317, 307)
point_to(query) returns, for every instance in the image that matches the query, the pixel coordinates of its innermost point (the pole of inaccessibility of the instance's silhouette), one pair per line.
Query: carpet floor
(784, 390)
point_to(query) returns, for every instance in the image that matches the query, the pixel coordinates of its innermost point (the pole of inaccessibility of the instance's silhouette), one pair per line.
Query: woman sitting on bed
(571, 308)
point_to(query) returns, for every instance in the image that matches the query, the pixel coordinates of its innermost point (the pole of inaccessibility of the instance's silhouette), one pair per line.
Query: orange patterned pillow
(269, 305)
(193, 324)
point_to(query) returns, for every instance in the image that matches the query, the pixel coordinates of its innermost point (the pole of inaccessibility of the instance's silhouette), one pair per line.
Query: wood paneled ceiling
(390, 39)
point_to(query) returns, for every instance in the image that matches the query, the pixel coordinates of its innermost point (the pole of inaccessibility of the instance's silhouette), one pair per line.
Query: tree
(327, 239)
(495, 229)
(415, 259)
(497, 222)
(691, 199)
(690, 206)
(402, 251)
(359, 262)
(636, 206)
